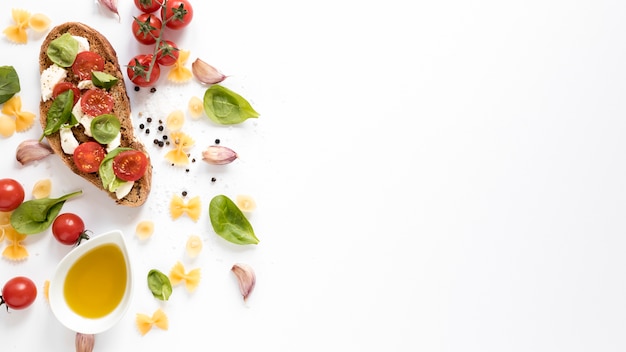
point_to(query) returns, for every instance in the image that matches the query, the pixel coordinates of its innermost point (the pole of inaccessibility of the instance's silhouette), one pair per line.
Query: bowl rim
(64, 314)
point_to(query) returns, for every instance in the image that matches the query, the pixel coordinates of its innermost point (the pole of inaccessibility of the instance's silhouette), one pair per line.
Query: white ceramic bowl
(58, 303)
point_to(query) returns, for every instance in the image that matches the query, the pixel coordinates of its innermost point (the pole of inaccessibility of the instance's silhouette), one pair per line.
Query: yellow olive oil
(96, 282)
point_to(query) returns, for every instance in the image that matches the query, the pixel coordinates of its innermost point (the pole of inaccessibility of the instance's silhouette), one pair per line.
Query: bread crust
(122, 109)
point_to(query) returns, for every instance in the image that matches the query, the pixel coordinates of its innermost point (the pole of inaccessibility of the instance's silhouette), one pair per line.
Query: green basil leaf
(229, 222)
(63, 50)
(103, 79)
(60, 112)
(105, 128)
(9, 83)
(225, 107)
(36, 215)
(106, 170)
(159, 284)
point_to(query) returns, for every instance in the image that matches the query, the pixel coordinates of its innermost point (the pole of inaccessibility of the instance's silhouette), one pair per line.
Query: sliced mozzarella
(86, 84)
(124, 189)
(116, 142)
(82, 118)
(49, 78)
(83, 43)
(68, 141)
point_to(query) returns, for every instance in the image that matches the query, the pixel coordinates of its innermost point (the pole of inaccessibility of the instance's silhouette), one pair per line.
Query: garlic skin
(31, 150)
(112, 6)
(219, 155)
(84, 342)
(246, 277)
(206, 73)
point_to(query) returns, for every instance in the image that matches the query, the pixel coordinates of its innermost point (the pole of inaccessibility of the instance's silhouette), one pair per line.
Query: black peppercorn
(141, 126)
(136, 89)
(160, 128)
(149, 119)
(213, 179)
(152, 90)
(184, 193)
(147, 131)
(217, 141)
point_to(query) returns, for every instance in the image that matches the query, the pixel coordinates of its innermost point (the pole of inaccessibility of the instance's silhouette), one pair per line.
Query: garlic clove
(84, 342)
(246, 277)
(206, 73)
(112, 6)
(31, 150)
(219, 155)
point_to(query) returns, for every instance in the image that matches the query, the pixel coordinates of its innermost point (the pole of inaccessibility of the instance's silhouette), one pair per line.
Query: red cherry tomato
(130, 165)
(147, 6)
(137, 71)
(64, 86)
(87, 62)
(146, 28)
(69, 229)
(11, 194)
(168, 53)
(88, 156)
(96, 102)
(18, 293)
(178, 14)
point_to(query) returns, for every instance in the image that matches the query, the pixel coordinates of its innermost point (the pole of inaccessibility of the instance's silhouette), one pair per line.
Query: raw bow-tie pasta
(191, 278)
(17, 32)
(146, 322)
(192, 208)
(179, 73)
(182, 143)
(193, 246)
(5, 222)
(14, 249)
(23, 119)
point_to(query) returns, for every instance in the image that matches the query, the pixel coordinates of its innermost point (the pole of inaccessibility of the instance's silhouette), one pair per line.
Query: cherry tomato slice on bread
(11, 194)
(18, 293)
(130, 165)
(96, 102)
(88, 156)
(64, 86)
(87, 62)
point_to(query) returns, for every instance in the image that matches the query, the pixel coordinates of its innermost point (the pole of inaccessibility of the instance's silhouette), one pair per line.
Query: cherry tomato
(96, 102)
(87, 62)
(137, 71)
(146, 28)
(69, 229)
(63, 86)
(178, 14)
(11, 194)
(130, 165)
(18, 293)
(168, 53)
(147, 6)
(88, 156)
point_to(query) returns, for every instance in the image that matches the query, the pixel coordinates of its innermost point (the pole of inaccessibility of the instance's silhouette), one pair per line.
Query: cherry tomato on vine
(168, 53)
(137, 70)
(11, 194)
(88, 156)
(147, 6)
(69, 229)
(130, 165)
(178, 14)
(146, 28)
(63, 86)
(87, 62)
(18, 293)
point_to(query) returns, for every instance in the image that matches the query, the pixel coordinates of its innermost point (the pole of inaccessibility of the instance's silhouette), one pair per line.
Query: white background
(430, 176)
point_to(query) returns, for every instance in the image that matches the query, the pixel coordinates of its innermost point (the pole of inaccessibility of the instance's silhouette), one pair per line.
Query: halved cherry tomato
(11, 194)
(148, 6)
(130, 165)
(69, 229)
(168, 53)
(87, 62)
(63, 86)
(138, 68)
(178, 14)
(146, 28)
(88, 156)
(18, 293)
(96, 102)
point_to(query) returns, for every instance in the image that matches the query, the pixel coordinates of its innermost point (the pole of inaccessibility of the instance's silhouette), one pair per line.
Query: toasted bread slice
(122, 109)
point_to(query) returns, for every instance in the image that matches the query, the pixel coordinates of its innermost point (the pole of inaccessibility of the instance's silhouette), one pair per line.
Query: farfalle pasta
(181, 143)
(179, 73)
(179, 275)
(23, 119)
(146, 322)
(22, 21)
(192, 208)
(193, 246)
(14, 250)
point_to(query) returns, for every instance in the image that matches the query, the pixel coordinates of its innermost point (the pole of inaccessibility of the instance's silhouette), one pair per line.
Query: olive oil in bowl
(91, 288)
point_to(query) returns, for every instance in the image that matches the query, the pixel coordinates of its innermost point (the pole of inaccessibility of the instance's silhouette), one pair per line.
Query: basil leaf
(63, 50)
(60, 112)
(105, 128)
(106, 170)
(9, 83)
(36, 215)
(225, 107)
(229, 222)
(159, 284)
(103, 79)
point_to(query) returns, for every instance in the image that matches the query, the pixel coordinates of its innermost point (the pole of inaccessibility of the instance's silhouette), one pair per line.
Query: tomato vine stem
(159, 38)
